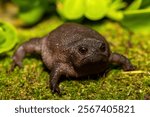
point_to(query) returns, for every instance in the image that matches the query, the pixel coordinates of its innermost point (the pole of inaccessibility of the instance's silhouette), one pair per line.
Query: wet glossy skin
(72, 50)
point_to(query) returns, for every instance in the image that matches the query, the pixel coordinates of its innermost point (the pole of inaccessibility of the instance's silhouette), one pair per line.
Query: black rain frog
(72, 50)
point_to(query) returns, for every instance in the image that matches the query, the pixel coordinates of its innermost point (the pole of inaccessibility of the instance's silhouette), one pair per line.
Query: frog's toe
(14, 64)
(129, 67)
(55, 89)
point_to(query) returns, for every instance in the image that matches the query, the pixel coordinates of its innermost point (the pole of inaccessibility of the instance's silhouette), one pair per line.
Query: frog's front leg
(60, 69)
(31, 46)
(121, 60)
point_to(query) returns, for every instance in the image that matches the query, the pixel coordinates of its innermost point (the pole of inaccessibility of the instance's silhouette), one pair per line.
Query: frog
(71, 50)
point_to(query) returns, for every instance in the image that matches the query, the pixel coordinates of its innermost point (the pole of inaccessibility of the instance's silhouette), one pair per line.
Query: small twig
(136, 72)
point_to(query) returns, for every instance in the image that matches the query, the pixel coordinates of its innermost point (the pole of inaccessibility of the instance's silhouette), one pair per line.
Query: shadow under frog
(72, 50)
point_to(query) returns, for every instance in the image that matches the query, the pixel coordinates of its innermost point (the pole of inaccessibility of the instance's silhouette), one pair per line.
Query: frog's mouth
(93, 67)
(95, 59)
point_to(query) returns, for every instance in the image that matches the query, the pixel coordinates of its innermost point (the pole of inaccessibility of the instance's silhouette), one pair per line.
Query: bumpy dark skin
(72, 50)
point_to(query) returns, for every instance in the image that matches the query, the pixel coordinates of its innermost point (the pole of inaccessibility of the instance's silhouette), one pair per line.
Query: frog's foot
(14, 64)
(129, 67)
(121, 61)
(55, 89)
(31, 46)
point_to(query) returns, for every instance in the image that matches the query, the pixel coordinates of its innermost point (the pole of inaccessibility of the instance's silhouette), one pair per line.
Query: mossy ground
(31, 82)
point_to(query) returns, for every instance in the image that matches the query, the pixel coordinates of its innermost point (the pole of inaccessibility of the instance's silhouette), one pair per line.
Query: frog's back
(70, 33)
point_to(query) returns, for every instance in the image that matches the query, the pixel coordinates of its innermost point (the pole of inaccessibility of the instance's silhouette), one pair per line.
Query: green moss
(31, 82)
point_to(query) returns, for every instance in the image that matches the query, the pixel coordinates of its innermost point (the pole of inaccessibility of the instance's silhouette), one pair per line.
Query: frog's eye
(82, 50)
(103, 47)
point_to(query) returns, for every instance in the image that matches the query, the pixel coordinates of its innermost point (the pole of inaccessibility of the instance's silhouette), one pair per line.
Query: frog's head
(89, 51)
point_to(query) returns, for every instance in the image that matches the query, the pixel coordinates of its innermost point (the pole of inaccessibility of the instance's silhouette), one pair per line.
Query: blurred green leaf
(29, 4)
(31, 11)
(137, 20)
(8, 37)
(96, 9)
(32, 16)
(2, 39)
(71, 9)
(24, 5)
(114, 11)
(135, 5)
(145, 4)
